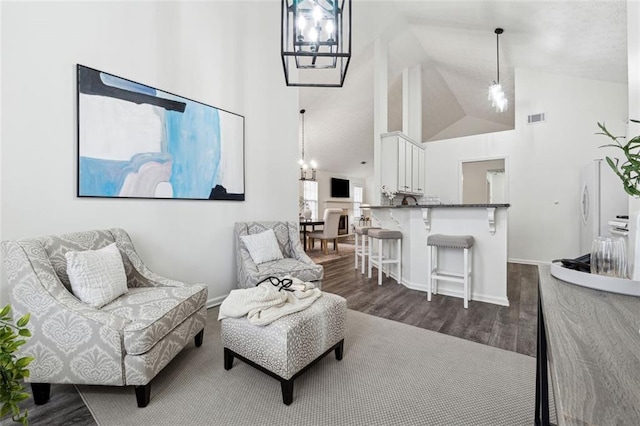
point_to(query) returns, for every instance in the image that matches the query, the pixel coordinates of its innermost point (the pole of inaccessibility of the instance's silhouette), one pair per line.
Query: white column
(380, 105)
(412, 102)
(633, 63)
(4, 293)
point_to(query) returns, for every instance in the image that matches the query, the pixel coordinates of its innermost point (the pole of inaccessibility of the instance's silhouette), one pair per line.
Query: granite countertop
(438, 206)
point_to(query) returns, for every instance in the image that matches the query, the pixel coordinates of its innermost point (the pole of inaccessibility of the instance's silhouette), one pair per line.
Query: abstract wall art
(135, 141)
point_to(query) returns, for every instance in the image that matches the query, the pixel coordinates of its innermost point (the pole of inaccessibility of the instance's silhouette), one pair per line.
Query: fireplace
(343, 225)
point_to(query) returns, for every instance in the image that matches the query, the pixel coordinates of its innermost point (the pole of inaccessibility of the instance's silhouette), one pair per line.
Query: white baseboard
(478, 297)
(215, 301)
(489, 299)
(527, 261)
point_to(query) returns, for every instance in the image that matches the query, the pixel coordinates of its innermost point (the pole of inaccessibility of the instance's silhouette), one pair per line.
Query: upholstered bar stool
(464, 242)
(377, 259)
(362, 250)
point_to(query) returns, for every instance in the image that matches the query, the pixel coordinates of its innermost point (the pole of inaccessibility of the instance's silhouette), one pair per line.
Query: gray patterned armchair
(296, 263)
(124, 343)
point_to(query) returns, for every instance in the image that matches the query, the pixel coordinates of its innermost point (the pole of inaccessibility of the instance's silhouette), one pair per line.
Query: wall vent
(535, 118)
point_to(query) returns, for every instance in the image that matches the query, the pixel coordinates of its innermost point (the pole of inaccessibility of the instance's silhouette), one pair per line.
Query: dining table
(303, 227)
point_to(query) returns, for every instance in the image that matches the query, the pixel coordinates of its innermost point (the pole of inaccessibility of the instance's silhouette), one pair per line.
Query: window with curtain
(357, 202)
(311, 197)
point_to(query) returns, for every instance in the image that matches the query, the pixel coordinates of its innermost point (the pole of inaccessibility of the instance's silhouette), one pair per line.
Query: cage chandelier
(496, 94)
(315, 35)
(304, 167)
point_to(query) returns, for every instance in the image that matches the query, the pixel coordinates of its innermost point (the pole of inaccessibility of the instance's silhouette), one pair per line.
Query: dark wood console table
(592, 343)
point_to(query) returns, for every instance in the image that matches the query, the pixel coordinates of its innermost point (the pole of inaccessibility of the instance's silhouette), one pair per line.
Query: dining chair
(329, 231)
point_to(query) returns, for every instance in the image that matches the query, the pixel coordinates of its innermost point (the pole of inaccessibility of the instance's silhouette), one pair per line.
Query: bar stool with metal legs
(362, 249)
(450, 241)
(377, 259)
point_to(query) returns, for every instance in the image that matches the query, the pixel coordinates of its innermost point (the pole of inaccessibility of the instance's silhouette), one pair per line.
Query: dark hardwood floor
(512, 328)
(65, 407)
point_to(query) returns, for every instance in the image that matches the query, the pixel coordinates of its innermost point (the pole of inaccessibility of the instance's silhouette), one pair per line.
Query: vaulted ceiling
(455, 44)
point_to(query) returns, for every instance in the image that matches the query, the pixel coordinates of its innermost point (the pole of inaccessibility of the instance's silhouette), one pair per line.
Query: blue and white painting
(135, 141)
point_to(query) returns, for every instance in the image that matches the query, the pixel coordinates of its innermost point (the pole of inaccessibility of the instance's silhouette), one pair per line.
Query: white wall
(370, 190)
(468, 125)
(2, 299)
(195, 49)
(544, 160)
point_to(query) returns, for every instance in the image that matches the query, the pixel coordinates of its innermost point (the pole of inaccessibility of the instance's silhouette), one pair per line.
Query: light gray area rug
(391, 374)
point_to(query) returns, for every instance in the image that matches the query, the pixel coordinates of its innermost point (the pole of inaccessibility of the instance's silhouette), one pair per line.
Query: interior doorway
(483, 181)
(496, 186)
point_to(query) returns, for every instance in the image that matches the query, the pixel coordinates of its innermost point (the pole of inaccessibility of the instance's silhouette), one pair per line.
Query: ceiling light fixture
(316, 34)
(496, 94)
(304, 167)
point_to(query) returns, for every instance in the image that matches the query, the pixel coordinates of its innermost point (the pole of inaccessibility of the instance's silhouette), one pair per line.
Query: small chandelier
(316, 34)
(496, 95)
(304, 167)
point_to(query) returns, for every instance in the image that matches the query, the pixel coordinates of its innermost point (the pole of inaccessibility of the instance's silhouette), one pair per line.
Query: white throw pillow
(97, 277)
(263, 247)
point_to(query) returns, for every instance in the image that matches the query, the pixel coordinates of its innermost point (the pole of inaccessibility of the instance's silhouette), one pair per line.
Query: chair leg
(228, 359)
(470, 271)
(370, 255)
(399, 261)
(199, 337)
(356, 250)
(434, 281)
(466, 278)
(363, 250)
(143, 394)
(340, 350)
(380, 264)
(429, 281)
(335, 245)
(41, 392)
(387, 269)
(325, 246)
(287, 391)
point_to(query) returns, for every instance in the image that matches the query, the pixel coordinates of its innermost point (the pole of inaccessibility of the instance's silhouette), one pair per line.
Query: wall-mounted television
(339, 188)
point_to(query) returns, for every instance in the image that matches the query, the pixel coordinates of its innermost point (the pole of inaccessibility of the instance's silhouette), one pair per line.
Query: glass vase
(608, 257)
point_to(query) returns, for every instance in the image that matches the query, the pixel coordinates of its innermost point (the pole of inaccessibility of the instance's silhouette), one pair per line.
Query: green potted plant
(13, 369)
(628, 169)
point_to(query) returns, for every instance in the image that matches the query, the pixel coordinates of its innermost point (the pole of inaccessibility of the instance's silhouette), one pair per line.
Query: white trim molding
(215, 301)
(448, 290)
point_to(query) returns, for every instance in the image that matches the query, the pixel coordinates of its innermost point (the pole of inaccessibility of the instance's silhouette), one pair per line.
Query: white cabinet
(402, 164)
(417, 175)
(421, 172)
(405, 171)
(390, 165)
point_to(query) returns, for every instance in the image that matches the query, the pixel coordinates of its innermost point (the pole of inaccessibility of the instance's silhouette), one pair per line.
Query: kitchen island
(487, 223)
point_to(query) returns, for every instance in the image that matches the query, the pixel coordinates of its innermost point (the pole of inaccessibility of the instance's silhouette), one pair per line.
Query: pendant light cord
(498, 56)
(498, 31)
(302, 138)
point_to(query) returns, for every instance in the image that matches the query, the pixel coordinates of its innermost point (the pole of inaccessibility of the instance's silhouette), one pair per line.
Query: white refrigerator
(602, 198)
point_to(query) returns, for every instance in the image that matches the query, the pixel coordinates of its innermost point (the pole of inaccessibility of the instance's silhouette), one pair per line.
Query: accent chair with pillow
(99, 316)
(266, 249)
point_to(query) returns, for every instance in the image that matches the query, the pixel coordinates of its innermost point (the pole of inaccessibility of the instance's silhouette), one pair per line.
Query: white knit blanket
(264, 304)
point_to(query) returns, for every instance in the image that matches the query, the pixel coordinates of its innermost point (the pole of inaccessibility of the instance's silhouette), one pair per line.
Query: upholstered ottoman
(288, 346)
